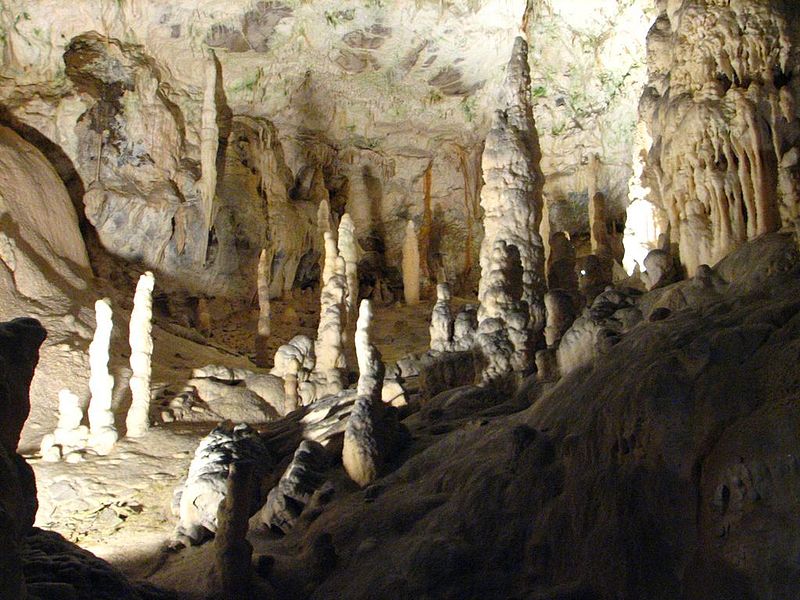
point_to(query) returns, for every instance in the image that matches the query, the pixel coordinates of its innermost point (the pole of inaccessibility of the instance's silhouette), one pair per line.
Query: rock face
(724, 122)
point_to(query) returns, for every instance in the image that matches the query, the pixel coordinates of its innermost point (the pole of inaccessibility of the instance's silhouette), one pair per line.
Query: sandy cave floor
(119, 506)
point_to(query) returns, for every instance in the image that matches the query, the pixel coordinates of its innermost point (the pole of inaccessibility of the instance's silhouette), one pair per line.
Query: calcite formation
(362, 449)
(442, 321)
(304, 476)
(512, 203)
(348, 250)
(199, 498)
(209, 143)
(69, 436)
(263, 328)
(411, 266)
(140, 338)
(102, 431)
(328, 376)
(721, 107)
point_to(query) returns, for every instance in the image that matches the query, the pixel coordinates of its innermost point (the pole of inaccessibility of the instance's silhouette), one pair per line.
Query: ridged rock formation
(721, 104)
(140, 337)
(512, 201)
(102, 431)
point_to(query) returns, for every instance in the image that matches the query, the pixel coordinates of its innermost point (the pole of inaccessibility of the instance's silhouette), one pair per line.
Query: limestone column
(141, 342)
(102, 431)
(263, 328)
(411, 265)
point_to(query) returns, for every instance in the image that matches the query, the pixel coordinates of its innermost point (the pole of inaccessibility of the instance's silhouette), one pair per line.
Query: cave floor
(119, 506)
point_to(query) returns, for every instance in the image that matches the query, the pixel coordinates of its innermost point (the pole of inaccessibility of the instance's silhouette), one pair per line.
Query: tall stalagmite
(348, 250)
(141, 341)
(411, 268)
(263, 330)
(721, 104)
(512, 193)
(512, 282)
(102, 431)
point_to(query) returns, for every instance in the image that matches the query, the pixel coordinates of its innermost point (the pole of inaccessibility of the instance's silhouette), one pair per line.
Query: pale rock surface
(659, 269)
(102, 431)
(140, 338)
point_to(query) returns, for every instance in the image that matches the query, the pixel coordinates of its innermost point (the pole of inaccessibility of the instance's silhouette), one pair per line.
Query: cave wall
(380, 106)
(720, 105)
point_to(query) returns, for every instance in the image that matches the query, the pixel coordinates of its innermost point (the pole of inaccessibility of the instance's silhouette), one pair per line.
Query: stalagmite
(560, 306)
(598, 233)
(512, 195)
(232, 550)
(199, 498)
(512, 255)
(348, 250)
(442, 321)
(209, 145)
(362, 449)
(69, 436)
(141, 342)
(328, 375)
(325, 224)
(263, 330)
(102, 432)
(370, 366)
(411, 265)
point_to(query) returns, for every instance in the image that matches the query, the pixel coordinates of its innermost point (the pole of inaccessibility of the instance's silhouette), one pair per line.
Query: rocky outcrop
(724, 123)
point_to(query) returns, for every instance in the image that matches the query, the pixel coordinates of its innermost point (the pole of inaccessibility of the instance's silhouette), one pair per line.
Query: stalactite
(209, 145)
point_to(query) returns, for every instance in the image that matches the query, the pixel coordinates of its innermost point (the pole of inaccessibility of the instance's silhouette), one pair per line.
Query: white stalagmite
(102, 432)
(370, 366)
(141, 342)
(263, 328)
(69, 436)
(328, 375)
(442, 321)
(209, 145)
(512, 282)
(411, 265)
(361, 452)
(348, 250)
(325, 224)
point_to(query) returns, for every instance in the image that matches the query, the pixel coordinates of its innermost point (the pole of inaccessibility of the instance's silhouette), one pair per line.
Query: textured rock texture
(721, 105)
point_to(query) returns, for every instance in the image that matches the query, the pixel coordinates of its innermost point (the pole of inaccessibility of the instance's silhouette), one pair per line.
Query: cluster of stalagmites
(71, 439)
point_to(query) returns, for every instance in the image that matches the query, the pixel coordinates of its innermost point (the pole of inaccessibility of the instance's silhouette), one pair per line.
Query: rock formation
(442, 321)
(263, 327)
(303, 477)
(141, 342)
(199, 498)
(209, 143)
(561, 264)
(723, 120)
(102, 430)
(512, 194)
(348, 250)
(512, 202)
(362, 450)
(329, 345)
(69, 436)
(411, 266)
